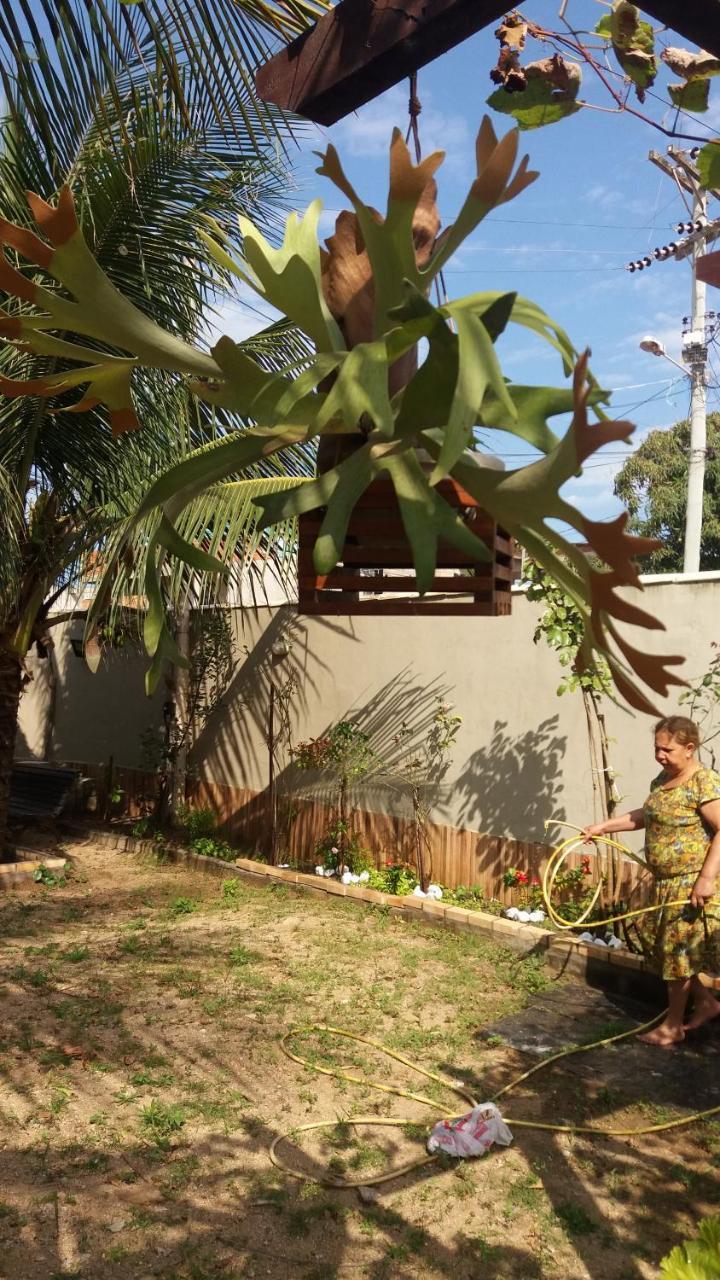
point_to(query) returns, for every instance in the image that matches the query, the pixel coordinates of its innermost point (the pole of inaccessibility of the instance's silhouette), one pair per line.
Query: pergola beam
(695, 20)
(363, 47)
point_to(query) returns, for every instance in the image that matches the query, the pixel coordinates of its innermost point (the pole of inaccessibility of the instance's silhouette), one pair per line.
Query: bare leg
(705, 1006)
(671, 1031)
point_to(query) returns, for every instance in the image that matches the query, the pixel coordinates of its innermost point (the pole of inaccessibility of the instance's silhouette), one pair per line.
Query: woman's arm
(704, 887)
(634, 820)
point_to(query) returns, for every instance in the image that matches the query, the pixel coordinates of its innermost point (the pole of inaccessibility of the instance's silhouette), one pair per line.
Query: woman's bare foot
(664, 1036)
(706, 1008)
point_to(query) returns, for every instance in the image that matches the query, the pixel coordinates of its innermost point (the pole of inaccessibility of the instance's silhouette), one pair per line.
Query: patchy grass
(143, 1083)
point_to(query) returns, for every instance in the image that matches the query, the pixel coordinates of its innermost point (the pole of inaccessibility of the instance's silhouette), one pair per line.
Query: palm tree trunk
(10, 689)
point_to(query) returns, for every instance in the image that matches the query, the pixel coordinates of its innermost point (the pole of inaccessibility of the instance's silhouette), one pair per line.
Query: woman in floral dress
(681, 819)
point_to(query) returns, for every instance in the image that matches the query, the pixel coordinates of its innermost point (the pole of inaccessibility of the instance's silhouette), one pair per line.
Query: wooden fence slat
(459, 855)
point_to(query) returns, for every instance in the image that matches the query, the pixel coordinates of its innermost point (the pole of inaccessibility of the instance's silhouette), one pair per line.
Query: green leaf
(169, 538)
(543, 101)
(291, 276)
(708, 163)
(633, 42)
(360, 391)
(353, 477)
(478, 370)
(691, 95)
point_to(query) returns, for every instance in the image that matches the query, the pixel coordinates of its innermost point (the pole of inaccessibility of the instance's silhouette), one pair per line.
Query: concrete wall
(522, 753)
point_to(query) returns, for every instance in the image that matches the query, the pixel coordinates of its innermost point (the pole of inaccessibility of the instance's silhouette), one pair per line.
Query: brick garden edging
(610, 968)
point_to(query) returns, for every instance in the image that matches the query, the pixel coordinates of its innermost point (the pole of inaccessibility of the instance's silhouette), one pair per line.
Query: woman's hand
(589, 833)
(702, 890)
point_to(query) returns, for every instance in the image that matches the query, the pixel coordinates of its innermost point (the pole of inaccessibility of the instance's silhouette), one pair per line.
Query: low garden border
(613, 969)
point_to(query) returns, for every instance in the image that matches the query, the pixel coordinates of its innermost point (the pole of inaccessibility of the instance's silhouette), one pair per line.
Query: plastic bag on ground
(472, 1134)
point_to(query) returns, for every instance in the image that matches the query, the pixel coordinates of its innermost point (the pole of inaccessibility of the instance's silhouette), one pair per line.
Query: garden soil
(142, 1081)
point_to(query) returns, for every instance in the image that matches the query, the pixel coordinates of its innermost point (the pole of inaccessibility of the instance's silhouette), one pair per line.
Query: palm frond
(59, 59)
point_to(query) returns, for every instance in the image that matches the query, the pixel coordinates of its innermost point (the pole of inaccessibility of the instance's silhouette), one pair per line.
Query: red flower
(522, 877)
(535, 882)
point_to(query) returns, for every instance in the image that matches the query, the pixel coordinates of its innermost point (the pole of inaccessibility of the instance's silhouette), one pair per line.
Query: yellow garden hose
(554, 865)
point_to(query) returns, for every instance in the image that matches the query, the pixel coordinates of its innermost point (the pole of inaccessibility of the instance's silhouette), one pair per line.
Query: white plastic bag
(472, 1134)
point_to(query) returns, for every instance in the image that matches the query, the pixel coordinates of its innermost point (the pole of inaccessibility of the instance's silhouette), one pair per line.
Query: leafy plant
(395, 877)
(51, 879)
(345, 753)
(529, 891)
(183, 906)
(209, 847)
(544, 92)
(422, 771)
(197, 823)
(697, 1259)
(341, 847)
(344, 388)
(161, 1122)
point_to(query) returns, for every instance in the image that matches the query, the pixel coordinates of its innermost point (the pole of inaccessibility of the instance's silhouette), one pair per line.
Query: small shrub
(240, 956)
(395, 877)
(143, 828)
(230, 891)
(183, 906)
(197, 823)
(211, 848)
(44, 875)
(356, 857)
(160, 1121)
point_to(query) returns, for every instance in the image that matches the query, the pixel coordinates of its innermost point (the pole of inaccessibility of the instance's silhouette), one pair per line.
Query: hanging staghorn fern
(363, 304)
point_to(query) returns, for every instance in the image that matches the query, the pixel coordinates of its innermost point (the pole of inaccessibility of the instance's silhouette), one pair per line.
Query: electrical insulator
(694, 153)
(673, 246)
(647, 261)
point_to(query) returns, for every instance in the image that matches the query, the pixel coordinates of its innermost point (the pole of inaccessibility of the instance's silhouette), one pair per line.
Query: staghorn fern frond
(348, 387)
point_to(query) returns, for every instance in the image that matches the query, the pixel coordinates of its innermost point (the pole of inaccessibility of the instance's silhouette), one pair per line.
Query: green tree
(652, 484)
(149, 158)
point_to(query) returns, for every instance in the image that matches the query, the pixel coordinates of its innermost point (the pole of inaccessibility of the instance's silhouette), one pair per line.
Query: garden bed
(614, 969)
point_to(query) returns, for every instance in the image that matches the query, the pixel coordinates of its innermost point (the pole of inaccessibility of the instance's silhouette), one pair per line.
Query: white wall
(521, 755)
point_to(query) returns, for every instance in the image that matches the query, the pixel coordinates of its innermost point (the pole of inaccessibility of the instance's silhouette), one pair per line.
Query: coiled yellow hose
(552, 869)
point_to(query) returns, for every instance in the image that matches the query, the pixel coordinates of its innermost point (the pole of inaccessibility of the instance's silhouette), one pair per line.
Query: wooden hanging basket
(376, 575)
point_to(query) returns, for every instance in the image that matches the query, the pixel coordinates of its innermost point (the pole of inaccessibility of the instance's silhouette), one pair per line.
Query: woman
(681, 818)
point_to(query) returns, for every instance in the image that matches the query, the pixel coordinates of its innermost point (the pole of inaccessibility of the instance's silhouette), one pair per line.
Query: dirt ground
(142, 1081)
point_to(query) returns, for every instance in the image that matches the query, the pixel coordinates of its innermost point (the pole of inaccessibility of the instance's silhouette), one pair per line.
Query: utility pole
(695, 355)
(698, 233)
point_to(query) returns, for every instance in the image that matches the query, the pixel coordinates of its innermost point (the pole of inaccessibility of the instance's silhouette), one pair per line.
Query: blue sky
(564, 243)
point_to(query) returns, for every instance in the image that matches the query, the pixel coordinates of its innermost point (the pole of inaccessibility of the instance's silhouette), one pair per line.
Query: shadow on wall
(235, 734)
(513, 785)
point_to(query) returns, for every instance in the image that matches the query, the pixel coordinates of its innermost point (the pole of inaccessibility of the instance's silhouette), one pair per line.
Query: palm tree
(149, 156)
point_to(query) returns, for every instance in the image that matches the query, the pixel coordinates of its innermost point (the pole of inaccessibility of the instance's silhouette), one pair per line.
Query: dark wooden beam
(694, 20)
(363, 47)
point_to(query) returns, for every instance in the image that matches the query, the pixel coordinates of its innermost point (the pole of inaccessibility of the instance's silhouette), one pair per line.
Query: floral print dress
(680, 941)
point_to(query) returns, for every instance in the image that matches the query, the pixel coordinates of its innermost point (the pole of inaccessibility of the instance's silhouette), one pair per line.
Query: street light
(656, 348)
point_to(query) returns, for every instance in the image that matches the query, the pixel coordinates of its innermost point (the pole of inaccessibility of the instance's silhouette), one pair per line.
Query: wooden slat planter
(376, 576)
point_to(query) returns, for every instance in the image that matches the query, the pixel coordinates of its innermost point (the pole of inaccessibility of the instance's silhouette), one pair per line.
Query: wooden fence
(459, 856)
